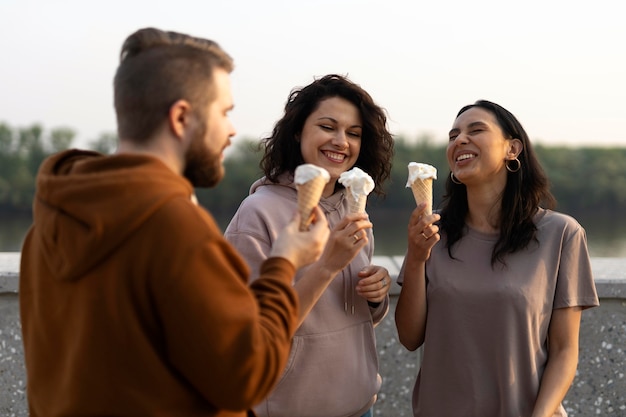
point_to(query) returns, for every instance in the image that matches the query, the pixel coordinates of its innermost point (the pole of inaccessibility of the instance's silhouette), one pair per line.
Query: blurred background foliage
(585, 180)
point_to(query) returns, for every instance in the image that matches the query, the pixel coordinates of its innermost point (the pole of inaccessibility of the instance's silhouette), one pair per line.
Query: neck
(329, 189)
(484, 206)
(155, 148)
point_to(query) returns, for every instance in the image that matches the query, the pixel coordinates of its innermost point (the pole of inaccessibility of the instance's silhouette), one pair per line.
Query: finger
(319, 219)
(374, 282)
(361, 225)
(368, 271)
(417, 213)
(353, 217)
(360, 239)
(349, 219)
(431, 241)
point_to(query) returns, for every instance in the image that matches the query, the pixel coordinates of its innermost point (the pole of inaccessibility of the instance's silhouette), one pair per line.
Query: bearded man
(132, 303)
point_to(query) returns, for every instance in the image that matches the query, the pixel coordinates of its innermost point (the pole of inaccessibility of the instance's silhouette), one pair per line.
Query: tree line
(584, 180)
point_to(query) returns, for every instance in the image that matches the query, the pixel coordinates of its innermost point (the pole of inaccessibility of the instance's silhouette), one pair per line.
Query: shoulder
(268, 200)
(554, 220)
(265, 211)
(183, 220)
(559, 227)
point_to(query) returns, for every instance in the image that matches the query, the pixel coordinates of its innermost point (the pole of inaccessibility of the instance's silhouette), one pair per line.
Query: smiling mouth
(333, 156)
(464, 157)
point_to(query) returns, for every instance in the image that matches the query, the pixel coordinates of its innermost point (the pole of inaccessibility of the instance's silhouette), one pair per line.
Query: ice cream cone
(421, 178)
(423, 192)
(356, 202)
(309, 195)
(358, 185)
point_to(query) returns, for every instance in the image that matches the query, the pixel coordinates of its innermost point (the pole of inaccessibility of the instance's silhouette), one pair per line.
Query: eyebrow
(335, 121)
(469, 126)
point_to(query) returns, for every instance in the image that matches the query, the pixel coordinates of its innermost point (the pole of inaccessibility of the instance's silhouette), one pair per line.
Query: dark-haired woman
(333, 369)
(494, 285)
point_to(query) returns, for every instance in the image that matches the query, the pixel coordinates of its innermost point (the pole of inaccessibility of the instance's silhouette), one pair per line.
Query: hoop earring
(517, 168)
(454, 179)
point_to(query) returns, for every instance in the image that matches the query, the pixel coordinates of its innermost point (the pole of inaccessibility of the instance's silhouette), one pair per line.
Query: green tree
(585, 180)
(7, 162)
(61, 139)
(106, 143)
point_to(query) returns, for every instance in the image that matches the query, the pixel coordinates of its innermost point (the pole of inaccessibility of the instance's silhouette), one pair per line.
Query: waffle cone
(309, 195)
(423, 192)
(356, 205)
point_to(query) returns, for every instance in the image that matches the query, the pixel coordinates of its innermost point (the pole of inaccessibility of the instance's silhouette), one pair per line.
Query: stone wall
(599, 388)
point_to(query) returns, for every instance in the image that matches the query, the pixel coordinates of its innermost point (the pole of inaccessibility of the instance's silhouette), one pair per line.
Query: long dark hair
(282, 150)
(525, 190)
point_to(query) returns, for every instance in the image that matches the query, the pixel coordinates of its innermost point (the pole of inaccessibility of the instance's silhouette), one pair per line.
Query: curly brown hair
(282, 149)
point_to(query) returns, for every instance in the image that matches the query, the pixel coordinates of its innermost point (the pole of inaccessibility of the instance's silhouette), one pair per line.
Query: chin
(205, 178)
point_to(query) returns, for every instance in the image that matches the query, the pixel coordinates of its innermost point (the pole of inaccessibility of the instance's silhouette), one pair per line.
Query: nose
(461, 139)
(231, 131)
(340, 140)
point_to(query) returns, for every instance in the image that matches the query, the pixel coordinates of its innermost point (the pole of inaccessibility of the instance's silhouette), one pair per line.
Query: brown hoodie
(133, 304)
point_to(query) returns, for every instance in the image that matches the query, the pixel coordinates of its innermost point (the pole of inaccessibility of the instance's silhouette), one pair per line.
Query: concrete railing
(599, 388)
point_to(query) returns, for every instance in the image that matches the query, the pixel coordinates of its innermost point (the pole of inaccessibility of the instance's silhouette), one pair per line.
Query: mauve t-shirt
(486, 346)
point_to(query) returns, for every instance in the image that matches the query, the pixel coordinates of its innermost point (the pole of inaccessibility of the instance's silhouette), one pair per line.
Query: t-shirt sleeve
(575, 285)
(400, 277)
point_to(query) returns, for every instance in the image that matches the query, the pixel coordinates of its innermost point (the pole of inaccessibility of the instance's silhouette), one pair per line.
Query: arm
(231, 341)
(254, 242)
(340, 250)
(411, 309)
(562, 360)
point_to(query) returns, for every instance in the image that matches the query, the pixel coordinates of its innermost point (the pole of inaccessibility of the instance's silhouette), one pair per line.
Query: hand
(302, 248)
(347, 238)
(374, 283)
(423, 233)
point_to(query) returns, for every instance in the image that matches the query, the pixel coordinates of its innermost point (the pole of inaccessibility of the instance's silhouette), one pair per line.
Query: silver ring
(426, 237)
(383, 282)
(356, 238)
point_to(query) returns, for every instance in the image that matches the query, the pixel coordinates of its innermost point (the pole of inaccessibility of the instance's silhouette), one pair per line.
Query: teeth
(464, 156)
(335, 156)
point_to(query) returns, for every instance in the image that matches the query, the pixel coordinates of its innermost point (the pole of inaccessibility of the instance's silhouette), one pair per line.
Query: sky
(559, 66)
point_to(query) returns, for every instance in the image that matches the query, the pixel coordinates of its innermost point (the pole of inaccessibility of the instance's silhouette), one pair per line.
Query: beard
(203, 168)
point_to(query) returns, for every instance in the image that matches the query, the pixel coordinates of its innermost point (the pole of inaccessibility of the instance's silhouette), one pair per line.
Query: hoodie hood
(86, 205)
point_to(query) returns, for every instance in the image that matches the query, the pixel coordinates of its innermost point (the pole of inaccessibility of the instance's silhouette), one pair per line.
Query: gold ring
(356, 238)
(425, 237)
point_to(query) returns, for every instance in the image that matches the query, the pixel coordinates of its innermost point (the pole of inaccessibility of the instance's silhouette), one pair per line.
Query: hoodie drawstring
(348, 292)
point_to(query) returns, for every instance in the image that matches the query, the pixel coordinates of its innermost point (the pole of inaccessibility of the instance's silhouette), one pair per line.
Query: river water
(606, 236)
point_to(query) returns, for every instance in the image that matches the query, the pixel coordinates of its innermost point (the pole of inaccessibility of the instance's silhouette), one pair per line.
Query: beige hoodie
(333, 365)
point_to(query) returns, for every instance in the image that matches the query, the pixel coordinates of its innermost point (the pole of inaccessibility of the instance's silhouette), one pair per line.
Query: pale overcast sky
(560, 66)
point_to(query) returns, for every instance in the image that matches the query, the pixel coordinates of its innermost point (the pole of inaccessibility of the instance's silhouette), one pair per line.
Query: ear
(179, 118)
(515, 148)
